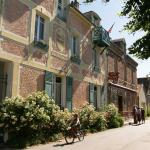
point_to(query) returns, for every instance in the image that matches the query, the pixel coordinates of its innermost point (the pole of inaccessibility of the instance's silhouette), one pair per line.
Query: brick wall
(31, 80)
(129, 74)
(80, 93)
(121, 70)
(16, 17)
(40, 57)
(15, 48)
(110, 64)
(47, 4)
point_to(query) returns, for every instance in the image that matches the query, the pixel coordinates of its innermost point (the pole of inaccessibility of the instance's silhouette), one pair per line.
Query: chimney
(75, 4)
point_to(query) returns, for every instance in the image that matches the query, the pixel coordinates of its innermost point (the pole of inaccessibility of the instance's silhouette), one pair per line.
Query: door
(120, 104)
(58, 91)
(3, 81)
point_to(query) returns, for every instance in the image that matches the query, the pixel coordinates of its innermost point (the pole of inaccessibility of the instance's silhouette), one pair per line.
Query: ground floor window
(93, 95)
(53, 87)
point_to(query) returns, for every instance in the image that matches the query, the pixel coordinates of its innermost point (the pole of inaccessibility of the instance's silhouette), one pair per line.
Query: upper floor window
(74, 45)
(61, 10)
(95, 60)
(39, 28)
(75, 50)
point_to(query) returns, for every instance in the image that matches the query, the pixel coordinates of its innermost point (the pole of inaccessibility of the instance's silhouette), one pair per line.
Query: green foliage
(114, 120)
(91, 120)
(37, 119)
(138, 12)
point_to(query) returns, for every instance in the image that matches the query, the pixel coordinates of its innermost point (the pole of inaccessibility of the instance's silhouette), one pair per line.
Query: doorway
(3, 81)
(58, 91)
(120, 104)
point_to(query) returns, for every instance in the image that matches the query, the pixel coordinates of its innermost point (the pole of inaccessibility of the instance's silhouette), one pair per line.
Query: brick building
(50, 45)
(122, 77)
(145, 82)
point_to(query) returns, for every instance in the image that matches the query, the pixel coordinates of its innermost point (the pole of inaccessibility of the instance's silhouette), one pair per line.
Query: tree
(138, 12)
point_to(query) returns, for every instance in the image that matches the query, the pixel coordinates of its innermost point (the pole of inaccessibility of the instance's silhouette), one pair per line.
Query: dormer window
(60, 10)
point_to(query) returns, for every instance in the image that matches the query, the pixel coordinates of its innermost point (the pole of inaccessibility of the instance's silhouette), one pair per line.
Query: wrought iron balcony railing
(101, 37)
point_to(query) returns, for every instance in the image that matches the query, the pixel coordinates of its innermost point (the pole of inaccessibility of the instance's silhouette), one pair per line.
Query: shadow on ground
(65, 144)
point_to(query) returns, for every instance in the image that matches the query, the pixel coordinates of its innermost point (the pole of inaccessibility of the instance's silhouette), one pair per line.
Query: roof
(78, 11)
(88, 12)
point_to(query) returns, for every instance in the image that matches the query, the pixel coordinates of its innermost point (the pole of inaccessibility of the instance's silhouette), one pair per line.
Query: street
(129, 137)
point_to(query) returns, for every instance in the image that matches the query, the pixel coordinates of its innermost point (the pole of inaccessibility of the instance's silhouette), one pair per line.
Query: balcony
(101, 37)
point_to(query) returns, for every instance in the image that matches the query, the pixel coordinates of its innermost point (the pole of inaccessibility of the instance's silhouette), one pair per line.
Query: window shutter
(69, 92)
(91, 93)
(71, 46)
(50, 84)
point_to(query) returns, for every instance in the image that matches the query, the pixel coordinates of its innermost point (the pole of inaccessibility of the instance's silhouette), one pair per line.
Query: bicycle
(70, 135)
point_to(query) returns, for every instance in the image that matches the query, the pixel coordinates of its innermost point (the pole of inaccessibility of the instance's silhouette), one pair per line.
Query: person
(142, 115)
(75, 123)
(135, 114)
(139, 115)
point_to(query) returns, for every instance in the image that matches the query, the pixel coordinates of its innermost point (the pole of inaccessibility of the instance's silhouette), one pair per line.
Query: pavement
(129, 137)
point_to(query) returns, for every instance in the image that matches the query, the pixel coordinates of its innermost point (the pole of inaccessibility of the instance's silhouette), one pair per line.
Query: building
(145, 81)
(141, 96)
(50, 45)
(122, 77)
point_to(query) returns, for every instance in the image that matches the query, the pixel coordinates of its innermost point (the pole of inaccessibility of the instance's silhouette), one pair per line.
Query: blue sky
(109, 14)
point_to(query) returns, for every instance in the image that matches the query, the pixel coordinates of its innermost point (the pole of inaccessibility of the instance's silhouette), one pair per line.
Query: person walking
(139, 115)
(142, 115)
(135, 114)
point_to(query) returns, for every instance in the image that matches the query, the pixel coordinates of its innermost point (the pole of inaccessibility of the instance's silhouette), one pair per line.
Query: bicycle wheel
(69, 138)
(80, 135)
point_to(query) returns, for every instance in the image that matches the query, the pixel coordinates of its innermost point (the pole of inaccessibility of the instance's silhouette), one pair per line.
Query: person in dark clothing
(75, 123)
(135, 114)
(139, 115)
(142, 115)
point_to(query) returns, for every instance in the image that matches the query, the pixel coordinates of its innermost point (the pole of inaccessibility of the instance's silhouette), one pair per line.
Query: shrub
(114, 120)
(90, 119)
(36, 119)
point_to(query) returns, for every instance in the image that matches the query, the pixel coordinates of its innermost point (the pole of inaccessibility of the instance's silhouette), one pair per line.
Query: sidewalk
(128, 121)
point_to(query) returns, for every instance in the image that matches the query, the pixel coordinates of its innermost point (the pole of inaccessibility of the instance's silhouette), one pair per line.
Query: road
(126, 138)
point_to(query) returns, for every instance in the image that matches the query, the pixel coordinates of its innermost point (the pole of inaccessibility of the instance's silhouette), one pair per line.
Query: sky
(108, 12)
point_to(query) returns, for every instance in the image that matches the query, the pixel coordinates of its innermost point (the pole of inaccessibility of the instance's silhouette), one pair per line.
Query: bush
(91, 120)
(36, 119)
(114, 120)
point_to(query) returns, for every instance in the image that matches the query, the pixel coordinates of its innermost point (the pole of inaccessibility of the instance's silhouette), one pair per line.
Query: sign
(113, 76)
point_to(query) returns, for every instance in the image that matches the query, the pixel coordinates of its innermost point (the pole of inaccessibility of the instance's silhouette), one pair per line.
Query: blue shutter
(91, 93)
(69, 92)
(50, 84)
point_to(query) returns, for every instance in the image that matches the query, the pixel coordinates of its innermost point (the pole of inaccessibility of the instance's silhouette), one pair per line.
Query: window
(74, 45)
(61, 10)
(39, 28)
(75, 52)
(93, 95)
(95, 60)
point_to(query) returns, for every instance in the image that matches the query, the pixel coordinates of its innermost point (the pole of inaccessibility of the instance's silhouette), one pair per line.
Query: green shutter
(69, 92)
(50, 84)
(91, 93)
